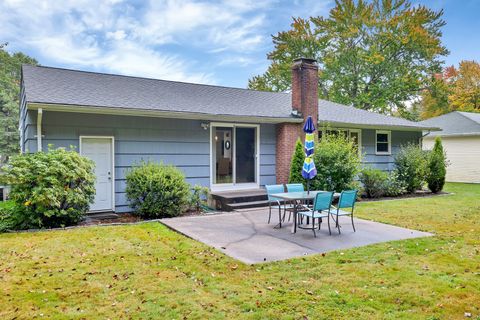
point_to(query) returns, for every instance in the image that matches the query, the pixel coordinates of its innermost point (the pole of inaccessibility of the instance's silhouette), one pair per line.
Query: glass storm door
(234, 155)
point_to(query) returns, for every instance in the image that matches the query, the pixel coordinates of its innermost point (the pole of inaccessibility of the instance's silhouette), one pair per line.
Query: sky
(213, 42)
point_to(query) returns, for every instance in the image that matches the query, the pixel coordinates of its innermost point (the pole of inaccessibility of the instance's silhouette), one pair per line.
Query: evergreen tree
(437, 167)
(10, 74)
(297, 164)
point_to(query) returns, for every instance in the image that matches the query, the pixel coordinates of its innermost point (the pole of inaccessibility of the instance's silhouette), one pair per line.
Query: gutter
(351, 125)
(159, 113)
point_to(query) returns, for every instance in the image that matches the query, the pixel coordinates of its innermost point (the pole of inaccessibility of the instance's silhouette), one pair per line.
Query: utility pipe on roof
(39, 129)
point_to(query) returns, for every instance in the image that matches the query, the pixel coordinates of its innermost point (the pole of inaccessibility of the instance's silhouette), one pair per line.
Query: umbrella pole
(308, 186)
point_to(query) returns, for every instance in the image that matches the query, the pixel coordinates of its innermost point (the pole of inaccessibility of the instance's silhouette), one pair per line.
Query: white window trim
(113, 160)
(235, 186)
(389, 139)
(348, 130)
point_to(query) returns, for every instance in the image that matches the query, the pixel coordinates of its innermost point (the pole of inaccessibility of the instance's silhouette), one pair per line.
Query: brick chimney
(305, 102)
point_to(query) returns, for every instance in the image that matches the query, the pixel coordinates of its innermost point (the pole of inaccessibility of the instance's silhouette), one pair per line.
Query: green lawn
(148, 271)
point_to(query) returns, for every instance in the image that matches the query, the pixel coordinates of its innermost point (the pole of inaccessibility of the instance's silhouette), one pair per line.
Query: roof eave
(376, 126)
(158, 113)
(453, 135)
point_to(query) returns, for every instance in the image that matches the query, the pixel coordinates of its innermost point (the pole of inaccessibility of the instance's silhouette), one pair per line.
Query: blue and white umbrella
(309, 171)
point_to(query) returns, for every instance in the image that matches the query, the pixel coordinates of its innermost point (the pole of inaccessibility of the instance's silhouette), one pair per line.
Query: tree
(453, 90)
(296, 165)
(437, 167)
(466, 90)
(10, 74)
(372, 54)
(435, 99)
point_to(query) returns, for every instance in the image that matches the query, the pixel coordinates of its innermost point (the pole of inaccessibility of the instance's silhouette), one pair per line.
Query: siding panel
(183, 143)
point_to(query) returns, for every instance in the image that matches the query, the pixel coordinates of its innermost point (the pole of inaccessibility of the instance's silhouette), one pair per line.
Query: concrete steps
(241, 199)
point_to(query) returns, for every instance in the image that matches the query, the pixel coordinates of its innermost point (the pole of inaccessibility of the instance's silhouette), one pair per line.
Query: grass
(148, 271)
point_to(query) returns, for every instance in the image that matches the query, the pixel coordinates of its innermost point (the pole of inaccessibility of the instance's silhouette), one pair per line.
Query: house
(461, 140)
(223, 138)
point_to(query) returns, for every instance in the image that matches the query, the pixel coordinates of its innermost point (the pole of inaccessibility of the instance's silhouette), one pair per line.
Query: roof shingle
(88, 89)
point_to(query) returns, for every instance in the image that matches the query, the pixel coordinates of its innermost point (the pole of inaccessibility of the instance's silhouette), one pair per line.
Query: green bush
(411, 166)
(393, 187)
(373, 181)
(296, 165)
(437, 167)
(198, 197)
(49, 189)
(157, 190)
(337, 162)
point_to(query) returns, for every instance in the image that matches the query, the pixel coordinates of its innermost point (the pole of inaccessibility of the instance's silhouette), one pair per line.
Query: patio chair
(294, 187)
(271, 189)
(347, 200)
(321, 209)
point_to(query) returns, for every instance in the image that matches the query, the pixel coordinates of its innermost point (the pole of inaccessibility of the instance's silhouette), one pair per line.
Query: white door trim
(235, 186)
(112, 164)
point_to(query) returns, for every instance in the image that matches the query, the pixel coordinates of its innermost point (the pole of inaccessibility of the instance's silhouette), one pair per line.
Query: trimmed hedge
(157, 190)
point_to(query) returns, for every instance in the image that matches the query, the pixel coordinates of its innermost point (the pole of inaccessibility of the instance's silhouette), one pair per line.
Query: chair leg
(280, 216)
(338, 226)
(313, 227)
(353, 225)
(269, 213)
(328, 221)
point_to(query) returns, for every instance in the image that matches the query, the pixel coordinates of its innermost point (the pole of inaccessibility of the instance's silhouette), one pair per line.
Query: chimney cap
(304, 60)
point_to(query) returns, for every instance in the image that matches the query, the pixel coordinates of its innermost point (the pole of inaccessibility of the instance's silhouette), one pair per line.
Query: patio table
(299, 196)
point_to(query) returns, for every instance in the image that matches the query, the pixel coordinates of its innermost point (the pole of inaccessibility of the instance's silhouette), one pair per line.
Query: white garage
(461, 140)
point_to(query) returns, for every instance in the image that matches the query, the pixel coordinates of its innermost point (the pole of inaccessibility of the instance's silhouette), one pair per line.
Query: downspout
(421, 139)
(39, 129)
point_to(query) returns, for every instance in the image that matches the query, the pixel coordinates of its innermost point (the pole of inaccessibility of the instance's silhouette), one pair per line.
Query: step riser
(246, 206)
(244, 199)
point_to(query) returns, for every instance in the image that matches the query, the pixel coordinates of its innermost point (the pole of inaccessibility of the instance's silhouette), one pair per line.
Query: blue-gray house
(223, 138)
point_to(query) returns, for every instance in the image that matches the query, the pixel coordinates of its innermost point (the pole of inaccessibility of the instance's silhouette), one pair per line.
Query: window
(354, 135)
(383, 142)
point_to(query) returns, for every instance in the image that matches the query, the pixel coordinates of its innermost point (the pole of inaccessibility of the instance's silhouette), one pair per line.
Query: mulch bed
(125, 218)
(417, 194)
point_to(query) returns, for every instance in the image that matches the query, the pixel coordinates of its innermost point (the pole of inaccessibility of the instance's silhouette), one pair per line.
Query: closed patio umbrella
(309, 171)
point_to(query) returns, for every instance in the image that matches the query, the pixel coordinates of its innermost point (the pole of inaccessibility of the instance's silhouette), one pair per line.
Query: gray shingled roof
(455, 123)
(79, 89)
(338, 114)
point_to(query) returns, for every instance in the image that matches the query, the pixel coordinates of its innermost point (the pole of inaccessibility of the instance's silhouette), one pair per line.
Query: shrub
(393, 187)
(337, 163)
(411, 166)
(198, 197)
(49, 189)
(373, 181)
(437, 167)
(296, 165)
(157, 190)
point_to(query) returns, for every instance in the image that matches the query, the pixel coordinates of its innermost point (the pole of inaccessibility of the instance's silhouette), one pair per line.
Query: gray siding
(385, 162)
(182, 143)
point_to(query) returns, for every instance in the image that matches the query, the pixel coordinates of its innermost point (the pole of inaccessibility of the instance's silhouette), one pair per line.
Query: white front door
(99, 150)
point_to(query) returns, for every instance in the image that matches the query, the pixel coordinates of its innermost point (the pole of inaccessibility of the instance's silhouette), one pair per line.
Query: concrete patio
(246, 236)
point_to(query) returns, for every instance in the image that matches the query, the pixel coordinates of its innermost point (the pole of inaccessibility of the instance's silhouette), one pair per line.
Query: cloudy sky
(218, 42)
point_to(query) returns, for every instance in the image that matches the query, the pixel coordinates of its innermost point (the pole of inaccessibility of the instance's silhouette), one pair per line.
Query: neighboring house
(223, 138)
(461, 140)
